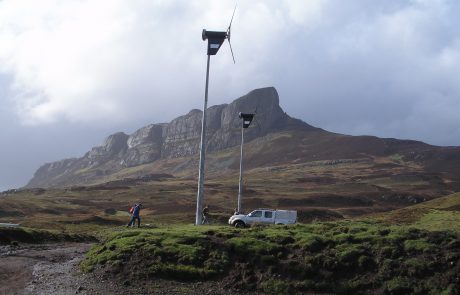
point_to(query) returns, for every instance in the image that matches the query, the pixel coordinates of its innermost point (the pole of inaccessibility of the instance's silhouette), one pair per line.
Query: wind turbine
(215, 40)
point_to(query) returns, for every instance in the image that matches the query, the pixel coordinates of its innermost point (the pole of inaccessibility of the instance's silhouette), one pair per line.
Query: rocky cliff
(273, 139)
(178, 138)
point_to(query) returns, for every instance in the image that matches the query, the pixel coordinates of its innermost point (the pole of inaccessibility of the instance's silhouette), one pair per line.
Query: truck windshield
(255, 214)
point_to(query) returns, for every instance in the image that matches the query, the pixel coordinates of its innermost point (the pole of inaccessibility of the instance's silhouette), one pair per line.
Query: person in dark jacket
(205, 215)
(135, 215)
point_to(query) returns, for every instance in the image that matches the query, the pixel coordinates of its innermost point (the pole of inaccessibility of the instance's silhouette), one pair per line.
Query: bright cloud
(381, 67)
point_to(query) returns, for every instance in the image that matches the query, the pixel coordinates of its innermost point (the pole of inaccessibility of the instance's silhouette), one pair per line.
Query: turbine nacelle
(215, 40)
(247, 119)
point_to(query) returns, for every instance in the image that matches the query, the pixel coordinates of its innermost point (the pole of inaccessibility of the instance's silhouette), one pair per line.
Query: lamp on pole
(215, 40)
(247, 119)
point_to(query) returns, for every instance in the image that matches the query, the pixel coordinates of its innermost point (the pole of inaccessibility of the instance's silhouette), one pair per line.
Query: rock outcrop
(273, 139)
(178, 138)
(144, 145)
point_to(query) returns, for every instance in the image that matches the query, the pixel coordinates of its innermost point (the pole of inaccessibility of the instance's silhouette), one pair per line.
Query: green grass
(339, 257)
(176, 252)
(441, 220)
(441, 214)
(396, 157)
(418, 245)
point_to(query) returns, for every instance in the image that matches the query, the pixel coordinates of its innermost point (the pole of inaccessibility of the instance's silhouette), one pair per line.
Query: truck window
(268, 214)
(256, 214)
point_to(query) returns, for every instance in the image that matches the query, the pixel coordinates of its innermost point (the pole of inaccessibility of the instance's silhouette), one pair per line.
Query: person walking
(135, 215)
(205, 215)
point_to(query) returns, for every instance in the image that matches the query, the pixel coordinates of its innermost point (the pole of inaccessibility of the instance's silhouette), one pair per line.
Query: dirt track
(52, 269)
(47, 269)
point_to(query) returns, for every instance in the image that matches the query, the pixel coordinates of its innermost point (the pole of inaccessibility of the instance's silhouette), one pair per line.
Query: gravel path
(52, 269)
(49, 269)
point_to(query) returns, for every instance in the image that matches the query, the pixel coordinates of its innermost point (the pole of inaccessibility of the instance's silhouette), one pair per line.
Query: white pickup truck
(9, 225)
(265, 216)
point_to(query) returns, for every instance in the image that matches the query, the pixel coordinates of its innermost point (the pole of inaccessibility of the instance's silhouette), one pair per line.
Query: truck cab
(264, 216)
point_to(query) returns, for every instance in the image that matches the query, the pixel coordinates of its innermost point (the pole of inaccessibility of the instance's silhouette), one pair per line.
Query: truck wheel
(239, 224)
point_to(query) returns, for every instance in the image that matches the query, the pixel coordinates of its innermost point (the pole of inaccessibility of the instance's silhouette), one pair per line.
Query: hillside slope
(274, 139)
(438, 214)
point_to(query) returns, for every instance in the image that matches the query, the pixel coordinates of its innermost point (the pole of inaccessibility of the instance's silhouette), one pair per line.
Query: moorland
(361, 230)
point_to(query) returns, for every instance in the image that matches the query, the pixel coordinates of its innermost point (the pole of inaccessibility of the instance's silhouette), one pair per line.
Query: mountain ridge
(177, 142)
(178, 138)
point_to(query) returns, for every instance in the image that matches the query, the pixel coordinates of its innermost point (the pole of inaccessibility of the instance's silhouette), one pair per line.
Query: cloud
(95, 61)
(81, 60)
(388, 68)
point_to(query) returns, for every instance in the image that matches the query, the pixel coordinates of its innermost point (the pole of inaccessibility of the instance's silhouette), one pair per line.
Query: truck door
(255, 216)
(267, 217)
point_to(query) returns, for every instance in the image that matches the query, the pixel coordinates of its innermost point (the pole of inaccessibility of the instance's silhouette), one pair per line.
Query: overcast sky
(73, 72)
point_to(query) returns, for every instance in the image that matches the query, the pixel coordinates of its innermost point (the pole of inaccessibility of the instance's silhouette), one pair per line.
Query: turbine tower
(215, 40)
(247, 119)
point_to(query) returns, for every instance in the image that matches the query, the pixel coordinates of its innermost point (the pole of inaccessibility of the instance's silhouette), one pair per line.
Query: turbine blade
(231, 50)
(230, 25)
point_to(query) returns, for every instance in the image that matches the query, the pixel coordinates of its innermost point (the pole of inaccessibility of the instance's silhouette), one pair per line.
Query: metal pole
(200, 193)
(240, 189)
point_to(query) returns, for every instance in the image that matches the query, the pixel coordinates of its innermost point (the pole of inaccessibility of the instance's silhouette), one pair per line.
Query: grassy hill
(347, 257)
(442, 214)
(415, 249)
